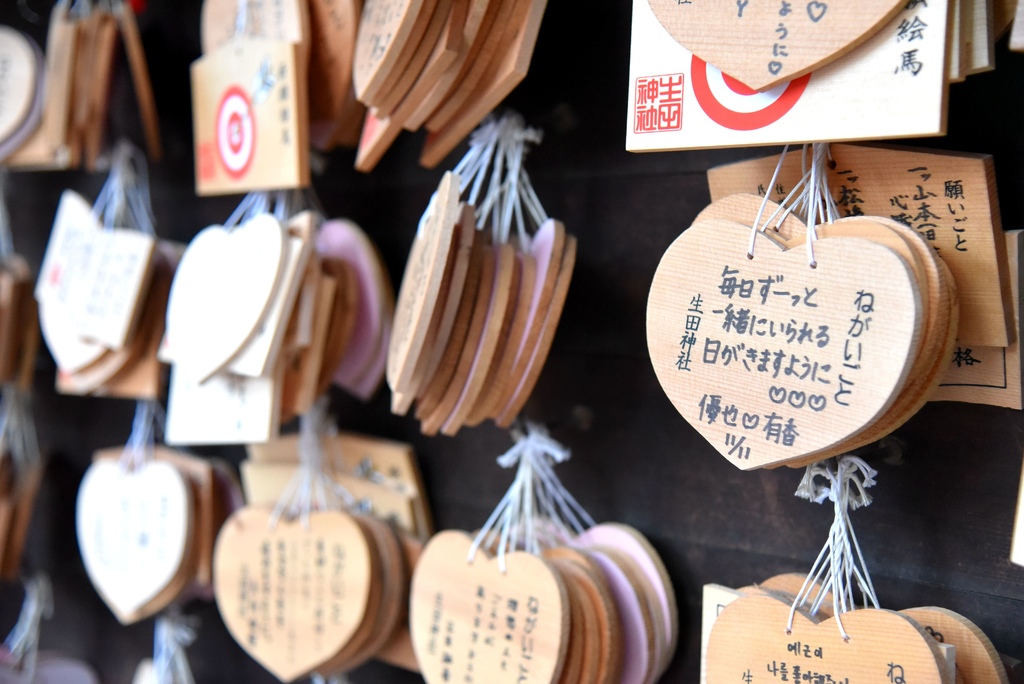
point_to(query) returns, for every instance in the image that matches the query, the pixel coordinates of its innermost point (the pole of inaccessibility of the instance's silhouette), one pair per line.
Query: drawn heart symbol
(884, 646)
(221, 291)
(450, 594)
(762, 46)
(134, 531)
(292, 596)
(728, 336)
(816, 10)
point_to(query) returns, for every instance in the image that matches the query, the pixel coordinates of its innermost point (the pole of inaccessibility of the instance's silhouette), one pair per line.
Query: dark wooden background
(938, 532)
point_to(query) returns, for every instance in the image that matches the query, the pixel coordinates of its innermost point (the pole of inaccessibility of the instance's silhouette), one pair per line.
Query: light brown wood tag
(418, 45)
(499, 379)
(472, 619)
(249, 113)
(433, 421)
(384, 28)
(750, 637)
(418, 297)
(333, 37)
(452, 288)
(605, 630)
(292, 597)
(437, 39)
(949, 198)
(976, 658)
(507, 70)
(506, 281)
(980, 374)
(489, 42)
(805, 369)
(762, 45)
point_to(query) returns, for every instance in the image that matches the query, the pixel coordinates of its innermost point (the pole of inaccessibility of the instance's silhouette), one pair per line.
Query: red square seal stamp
(659, 104)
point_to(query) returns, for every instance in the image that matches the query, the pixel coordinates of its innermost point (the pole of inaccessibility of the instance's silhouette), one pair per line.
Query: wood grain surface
(938, 532)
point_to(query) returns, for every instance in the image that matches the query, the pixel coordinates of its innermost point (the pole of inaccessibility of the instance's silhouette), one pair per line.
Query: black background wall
(938, 532)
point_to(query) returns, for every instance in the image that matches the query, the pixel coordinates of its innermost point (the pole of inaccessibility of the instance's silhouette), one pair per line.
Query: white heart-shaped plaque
(134, 530)
(221, 291)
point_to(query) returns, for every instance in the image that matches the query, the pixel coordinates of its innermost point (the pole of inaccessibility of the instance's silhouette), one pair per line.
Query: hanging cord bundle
(124, 201)
(840, 566)
(283, 204)
(537, 510)
(20, 648)
(497, 149)
(142, 441)
(172, 635)
(312, 488)
(810, 199)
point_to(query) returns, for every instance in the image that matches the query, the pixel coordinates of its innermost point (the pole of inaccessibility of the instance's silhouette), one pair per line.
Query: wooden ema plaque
(805, 369)
(980, 374)
(292, 596)
(894, 85)
(249, 112)
(762, 45)
(949, 198)
(528, 634)
(750, 643)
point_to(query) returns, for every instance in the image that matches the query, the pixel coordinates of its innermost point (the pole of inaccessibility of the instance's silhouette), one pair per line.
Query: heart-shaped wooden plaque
(763, 44)
(473, 619)
(292, 596)
(772, 360)
(750, 636)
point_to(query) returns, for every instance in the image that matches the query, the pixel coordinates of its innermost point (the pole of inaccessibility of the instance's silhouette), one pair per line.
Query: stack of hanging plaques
(474, 321)
(965, 653)
(776, 361)
(439, 64)
(146, 535)
(101, 296)
(362, 564)
(598, 609)
(299, 309)
(75, 78)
